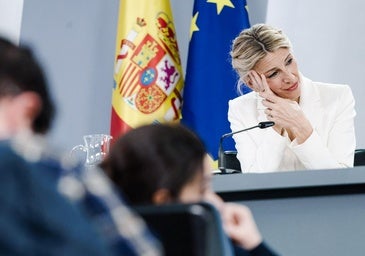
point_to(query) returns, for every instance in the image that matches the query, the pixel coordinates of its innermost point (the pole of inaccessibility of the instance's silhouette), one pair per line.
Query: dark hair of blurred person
(157, 156)
(21, 73)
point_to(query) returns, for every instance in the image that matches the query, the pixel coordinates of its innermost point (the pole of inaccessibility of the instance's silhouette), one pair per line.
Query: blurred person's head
(156, 164)
(25, 102)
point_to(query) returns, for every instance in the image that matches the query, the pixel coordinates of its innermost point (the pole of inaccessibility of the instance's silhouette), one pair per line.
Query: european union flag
(210, 81)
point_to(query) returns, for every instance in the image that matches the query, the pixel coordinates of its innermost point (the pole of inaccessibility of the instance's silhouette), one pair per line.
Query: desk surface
(253, 181)
(290, 181)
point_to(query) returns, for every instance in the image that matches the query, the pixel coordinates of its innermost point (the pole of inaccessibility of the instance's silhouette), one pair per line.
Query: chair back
(187, 229)
(359, 158)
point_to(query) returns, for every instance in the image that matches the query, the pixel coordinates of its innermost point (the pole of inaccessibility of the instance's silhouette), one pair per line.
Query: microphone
(221, 160)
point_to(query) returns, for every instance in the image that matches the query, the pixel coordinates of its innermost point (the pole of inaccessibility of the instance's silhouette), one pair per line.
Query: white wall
(10, 19)
(75, 42)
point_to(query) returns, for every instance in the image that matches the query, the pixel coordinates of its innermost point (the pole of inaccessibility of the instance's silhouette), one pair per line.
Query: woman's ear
(161, 196)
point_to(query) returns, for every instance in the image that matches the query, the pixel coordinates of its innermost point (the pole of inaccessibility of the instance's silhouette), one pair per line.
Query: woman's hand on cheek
(256, 82)
(265, 91)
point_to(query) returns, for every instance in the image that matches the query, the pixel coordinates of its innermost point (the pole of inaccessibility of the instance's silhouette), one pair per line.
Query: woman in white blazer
(314, 122)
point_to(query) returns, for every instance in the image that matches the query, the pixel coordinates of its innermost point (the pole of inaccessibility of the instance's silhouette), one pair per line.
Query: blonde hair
(252, 45)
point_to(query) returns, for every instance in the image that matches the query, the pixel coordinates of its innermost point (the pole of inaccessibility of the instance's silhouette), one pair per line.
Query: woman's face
(281, 72)
(200, 187)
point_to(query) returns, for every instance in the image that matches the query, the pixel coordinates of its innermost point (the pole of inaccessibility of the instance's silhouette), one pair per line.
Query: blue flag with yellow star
(210, 81)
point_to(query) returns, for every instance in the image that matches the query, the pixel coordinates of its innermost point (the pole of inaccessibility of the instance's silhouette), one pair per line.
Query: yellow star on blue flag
(221, 4)
(193, 26)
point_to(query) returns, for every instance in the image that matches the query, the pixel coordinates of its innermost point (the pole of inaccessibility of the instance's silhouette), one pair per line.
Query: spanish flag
(148, 77)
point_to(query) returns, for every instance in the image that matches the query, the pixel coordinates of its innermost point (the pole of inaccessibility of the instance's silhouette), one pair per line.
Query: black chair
(187, 229)
(359, 158)
(230, 161)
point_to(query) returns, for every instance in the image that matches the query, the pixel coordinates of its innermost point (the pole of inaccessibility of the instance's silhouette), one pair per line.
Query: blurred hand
(212, 198)
(238, 222)
(240, 226)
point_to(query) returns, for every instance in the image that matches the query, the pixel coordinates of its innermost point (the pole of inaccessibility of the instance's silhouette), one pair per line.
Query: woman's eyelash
(272, 74)
(289, 61)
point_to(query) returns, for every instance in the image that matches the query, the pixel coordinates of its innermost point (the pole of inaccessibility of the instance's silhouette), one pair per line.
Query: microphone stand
(221, 161)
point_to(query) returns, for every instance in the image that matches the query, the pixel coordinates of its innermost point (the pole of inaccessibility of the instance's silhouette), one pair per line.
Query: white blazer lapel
(310, 102)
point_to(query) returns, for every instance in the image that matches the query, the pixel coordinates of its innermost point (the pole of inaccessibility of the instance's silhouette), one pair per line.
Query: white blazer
(330, 110)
